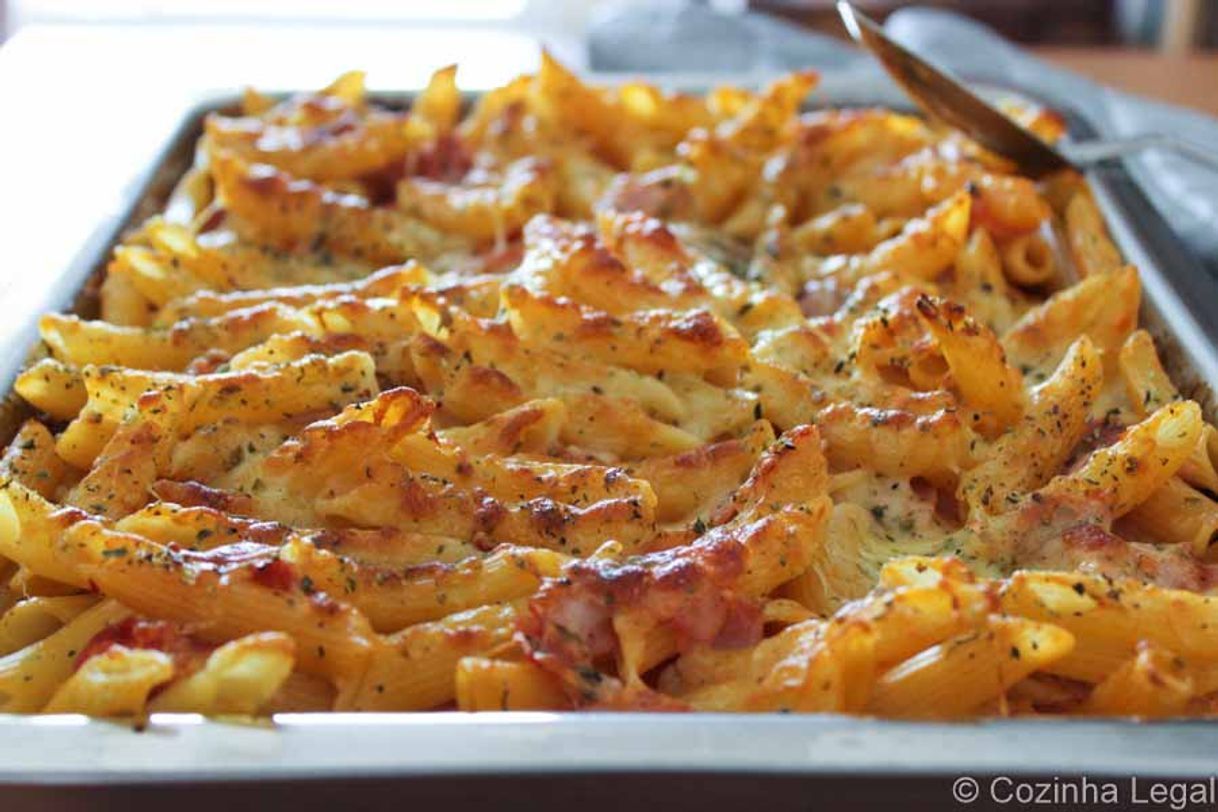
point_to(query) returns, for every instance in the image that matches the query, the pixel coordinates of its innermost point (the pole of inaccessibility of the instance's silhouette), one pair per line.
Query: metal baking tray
(550, 760)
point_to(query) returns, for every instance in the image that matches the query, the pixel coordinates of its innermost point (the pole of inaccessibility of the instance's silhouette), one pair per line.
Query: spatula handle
(1089, 153)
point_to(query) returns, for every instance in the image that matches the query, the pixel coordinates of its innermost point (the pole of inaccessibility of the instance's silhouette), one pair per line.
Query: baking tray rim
(35, 751)
(186, 747)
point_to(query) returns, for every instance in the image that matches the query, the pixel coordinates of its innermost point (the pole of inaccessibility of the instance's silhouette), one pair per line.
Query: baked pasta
(606, 397)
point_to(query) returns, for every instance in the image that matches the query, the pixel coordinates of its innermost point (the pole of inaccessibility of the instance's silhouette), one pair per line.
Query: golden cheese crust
(607, 397)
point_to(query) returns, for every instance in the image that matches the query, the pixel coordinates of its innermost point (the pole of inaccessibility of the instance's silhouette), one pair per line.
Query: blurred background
(1170, 24)
(1160, 48)
(1167, 24)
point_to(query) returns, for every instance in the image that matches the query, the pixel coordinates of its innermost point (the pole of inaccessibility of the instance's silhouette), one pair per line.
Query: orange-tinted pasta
(605, 397)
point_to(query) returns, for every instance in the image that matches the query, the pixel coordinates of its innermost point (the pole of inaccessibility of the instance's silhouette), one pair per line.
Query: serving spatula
(943, 97)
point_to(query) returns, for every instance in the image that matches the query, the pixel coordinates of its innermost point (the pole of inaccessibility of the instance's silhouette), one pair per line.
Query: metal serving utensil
(945, 98)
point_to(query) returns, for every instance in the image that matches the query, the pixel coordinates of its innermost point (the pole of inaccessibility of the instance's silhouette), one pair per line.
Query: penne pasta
(486, 684)
(580, 397)
(1154, 683)
(957, 676)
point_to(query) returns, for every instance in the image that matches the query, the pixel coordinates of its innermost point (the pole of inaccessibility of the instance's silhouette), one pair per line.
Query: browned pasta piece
(1028, 261)
(956, 677)
(1088, 238)
(486, 684)
(1154, 683)
(1177, 513)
